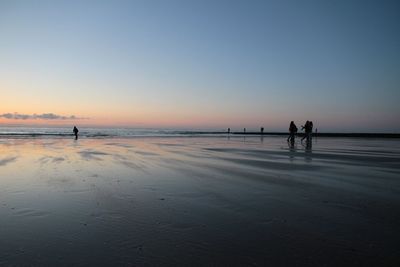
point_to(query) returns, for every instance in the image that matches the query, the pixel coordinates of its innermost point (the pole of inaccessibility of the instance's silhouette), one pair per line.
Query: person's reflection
(262, 138)
(308, 150)
(292, 149)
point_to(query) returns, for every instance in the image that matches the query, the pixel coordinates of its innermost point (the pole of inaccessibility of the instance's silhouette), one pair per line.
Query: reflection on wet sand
(7, 160)
(212, 201)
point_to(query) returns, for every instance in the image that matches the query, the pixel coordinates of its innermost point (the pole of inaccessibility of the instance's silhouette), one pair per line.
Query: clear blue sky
(204, 63)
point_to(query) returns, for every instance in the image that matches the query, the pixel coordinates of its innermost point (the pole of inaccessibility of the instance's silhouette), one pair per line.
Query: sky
(201, 64)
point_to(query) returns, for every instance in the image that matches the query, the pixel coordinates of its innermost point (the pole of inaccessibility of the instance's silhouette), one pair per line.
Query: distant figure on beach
(75, 130)
(229, 130)
(244, 130)
(292, 132)
(262, 130)
(307, 131)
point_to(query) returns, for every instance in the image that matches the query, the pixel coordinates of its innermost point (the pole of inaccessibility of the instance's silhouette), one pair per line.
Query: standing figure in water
(307, 131)
(292, 132)
(75, 130)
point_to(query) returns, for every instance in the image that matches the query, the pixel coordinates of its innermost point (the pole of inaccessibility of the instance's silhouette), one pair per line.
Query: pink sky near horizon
(148, 109)
(271, 122)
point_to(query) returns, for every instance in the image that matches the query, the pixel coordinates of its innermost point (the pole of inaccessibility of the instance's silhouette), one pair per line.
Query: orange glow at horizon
(151, 118)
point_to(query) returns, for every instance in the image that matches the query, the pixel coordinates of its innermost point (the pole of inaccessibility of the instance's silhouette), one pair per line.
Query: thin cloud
(44, 116)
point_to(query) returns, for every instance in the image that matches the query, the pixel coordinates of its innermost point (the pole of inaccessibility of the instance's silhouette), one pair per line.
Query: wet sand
(199, 201)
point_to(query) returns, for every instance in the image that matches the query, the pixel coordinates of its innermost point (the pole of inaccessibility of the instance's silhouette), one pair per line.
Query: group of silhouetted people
(308, 127)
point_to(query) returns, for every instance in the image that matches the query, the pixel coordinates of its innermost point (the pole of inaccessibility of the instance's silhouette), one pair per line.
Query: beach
(199, 201)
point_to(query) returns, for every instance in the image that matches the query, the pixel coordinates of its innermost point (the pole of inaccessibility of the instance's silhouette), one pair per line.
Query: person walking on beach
(75, 130)
(307, 130)
(310, 131)
(292, 132)
(229, 130)
(262, 130)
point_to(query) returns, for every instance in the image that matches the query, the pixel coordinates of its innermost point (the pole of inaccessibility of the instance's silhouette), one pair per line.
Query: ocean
(97, 132)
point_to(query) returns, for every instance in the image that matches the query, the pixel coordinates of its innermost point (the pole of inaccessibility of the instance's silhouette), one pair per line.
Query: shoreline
(195, 134)
(363, 135)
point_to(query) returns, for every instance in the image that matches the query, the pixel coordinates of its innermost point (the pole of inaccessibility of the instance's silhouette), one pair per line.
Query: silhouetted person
(307, 130)
(244, 130)
(262, 130)
(75, 130)
(292, 132)
(229, 130)
(310, 132)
